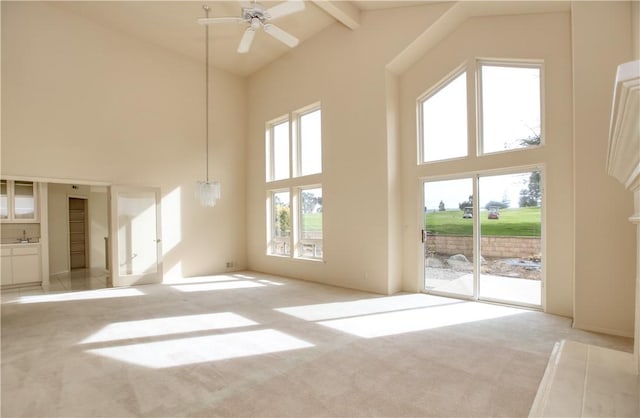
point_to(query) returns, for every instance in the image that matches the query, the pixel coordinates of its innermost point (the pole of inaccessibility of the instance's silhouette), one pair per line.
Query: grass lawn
(312, 222)
(523, 222)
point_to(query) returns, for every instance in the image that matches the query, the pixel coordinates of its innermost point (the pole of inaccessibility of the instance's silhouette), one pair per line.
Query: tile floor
(584, 380)
(76, 280)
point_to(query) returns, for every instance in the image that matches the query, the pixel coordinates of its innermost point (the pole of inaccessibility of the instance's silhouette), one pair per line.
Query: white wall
(345, 71)
(635, 26)
(605, 245)
(83, 102)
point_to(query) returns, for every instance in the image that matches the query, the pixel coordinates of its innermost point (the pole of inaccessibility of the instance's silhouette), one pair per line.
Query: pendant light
(207, 192)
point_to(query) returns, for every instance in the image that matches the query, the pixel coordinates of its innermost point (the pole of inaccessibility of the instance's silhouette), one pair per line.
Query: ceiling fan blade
(247, 39)
(210, 20)
(284, 37)
(283, 9)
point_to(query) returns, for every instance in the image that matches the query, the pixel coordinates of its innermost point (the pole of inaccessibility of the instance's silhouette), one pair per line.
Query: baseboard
(600, 330)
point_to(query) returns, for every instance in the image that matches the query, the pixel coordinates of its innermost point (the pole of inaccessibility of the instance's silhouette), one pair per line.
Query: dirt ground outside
(445, 267)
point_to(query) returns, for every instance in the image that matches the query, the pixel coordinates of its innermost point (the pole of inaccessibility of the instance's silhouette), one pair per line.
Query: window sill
(302, 259)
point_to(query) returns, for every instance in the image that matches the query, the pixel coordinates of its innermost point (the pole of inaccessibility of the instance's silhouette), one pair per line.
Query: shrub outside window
(281, 223)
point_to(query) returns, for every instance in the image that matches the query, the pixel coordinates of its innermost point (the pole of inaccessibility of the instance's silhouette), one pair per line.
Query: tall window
(509, 107)
(443, 121)
(294, 161)
(280, 223)
(279, 151)
(310, 243)
(509, 112)
(310, 143)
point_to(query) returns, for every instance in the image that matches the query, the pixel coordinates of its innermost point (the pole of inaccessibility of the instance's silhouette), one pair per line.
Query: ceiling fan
(257, 16)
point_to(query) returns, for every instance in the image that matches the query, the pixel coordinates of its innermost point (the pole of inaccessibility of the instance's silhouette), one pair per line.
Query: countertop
(18, 244)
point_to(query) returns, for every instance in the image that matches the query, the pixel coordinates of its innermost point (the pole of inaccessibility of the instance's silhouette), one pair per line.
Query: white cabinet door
(26, 268)
(6, 276)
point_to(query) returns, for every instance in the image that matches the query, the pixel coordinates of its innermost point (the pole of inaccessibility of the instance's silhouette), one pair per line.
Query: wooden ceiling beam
(343, 11)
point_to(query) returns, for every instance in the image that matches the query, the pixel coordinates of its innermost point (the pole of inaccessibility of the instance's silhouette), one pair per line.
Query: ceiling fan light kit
(257, 16)
(207, 192)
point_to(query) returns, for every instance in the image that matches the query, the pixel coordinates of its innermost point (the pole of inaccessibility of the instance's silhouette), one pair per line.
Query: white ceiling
(172, 25)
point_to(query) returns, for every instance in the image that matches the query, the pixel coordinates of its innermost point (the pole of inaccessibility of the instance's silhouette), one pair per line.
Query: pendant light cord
(206, 74)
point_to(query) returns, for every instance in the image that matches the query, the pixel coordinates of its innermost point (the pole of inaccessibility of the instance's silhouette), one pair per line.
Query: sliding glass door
(487, 247)
(448, 237)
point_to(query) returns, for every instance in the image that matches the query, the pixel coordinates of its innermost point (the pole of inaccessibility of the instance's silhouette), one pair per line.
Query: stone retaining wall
(492, 246)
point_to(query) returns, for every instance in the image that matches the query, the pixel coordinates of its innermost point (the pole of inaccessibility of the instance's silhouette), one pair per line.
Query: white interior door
(135, 235)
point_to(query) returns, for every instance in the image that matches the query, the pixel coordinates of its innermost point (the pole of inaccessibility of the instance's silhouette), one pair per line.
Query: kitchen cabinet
(21, 264)
(6, 275)
(18, 201)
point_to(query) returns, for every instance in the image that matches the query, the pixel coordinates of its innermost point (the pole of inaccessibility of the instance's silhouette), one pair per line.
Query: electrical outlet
(230, 264)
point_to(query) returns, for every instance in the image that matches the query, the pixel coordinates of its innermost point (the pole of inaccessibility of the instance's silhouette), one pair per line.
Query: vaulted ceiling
(172, 25)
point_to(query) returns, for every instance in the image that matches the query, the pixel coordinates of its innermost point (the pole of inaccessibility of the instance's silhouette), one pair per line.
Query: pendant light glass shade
(207, 192)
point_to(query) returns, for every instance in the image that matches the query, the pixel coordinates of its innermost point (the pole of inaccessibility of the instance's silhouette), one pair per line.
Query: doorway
(135, 247)
(78, 238)
(482, 237)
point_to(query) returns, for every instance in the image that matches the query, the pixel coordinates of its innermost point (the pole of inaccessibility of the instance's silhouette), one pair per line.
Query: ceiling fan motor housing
(256, 12)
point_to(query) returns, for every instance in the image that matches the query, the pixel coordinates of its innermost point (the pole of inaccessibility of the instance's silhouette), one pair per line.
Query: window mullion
(293, 171)
(295, 225)
(474, 117)
(271, 151)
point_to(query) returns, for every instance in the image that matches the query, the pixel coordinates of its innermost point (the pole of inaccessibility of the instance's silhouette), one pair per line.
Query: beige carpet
(254, 345)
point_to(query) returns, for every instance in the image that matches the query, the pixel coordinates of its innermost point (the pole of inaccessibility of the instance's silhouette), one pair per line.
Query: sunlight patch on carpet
(166, 326)
(205, 287)
(324, 311)
(394, 323)
(185, 351)
(79, 296)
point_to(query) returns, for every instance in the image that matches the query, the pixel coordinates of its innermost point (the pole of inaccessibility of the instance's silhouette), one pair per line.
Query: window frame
(295, 184)
(297, 138)
(270, 147)
(432, 91)
(272, 227)
(300, 242)
(530, 63)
